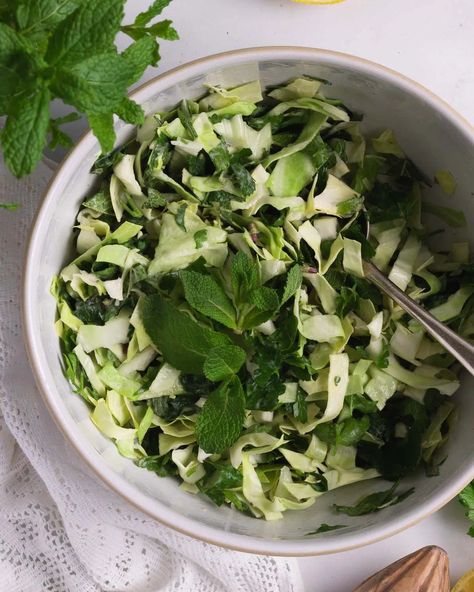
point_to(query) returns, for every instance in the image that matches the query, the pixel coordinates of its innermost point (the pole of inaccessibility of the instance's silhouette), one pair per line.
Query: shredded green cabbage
(216, 317)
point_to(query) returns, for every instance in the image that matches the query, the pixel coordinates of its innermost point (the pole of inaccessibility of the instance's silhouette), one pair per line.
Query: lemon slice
(466, 583)
(318, 1)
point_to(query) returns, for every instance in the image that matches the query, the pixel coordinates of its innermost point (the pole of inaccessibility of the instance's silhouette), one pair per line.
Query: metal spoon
(461, 349)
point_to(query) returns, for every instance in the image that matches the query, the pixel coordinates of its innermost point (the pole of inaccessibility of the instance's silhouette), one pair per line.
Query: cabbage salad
(215, 314)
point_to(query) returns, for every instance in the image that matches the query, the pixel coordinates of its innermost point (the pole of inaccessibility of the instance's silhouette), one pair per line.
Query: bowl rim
(154, 508)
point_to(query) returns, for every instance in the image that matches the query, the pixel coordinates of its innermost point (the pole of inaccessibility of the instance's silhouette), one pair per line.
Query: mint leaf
(97, 84)
(15, 67)
(381, 361)
(220, 157)
(183, 342)
(222, 198)
(155, 10)
(34, 16)
(130, 112)
(200, 237)
(346, 300)
(180, 216)
(265, 298)
(326, 528)
(103, 127)
(220, 422)
(345, 433)
(141, 54)
(223, 362)
(58, 137)
(242, 179)
(100, 202)
(244, 276)
(293, 282)
(88, 31)
(375, 502)
(24, 136)
(223, 478)
(203, 293)
(466, 497)
(163, 29)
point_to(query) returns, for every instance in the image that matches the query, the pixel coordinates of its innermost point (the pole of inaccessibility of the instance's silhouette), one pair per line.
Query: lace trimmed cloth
(60, 529)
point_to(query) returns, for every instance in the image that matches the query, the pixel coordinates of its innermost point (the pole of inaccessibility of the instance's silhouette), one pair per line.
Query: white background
(431, 41)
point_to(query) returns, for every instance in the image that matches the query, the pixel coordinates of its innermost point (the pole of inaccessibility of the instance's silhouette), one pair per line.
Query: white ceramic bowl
(433, 135)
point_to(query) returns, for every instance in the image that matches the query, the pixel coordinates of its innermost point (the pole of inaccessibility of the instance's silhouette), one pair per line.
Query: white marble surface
(431, 41)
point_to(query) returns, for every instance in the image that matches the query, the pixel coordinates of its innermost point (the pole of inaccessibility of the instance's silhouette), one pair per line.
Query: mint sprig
(220, 421)
(65, 49)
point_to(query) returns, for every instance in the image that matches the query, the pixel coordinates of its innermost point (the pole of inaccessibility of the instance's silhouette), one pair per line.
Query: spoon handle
(462, 350)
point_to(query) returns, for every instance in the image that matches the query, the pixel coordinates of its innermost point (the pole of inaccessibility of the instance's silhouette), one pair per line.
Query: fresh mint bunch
(65, 49)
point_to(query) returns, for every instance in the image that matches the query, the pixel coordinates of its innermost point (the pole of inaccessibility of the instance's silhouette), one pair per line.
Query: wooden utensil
(426, 570)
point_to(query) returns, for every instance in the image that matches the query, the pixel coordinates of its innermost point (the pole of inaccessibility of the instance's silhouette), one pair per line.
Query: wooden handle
(426, 570)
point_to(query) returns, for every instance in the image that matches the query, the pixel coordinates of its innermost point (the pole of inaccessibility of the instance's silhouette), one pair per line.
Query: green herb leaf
(58, 137)
(103, 127)
(466, 497)
(244, 275)
(24, 136)
(225, 477)
(200, 237)
(88, 31)
(196, 165)
(130, 112)
(106, 162)
(180, 216)
(222, 198)
(183, 342)
(346, 301)
(345, 433)
(223, 362)
(382, 359)
(18, 69)
(300, 410)
(100, 202)
(243, 180)
(153, 11)
(220, 157)
(161, 465)
(375, 502)
(164, 30)
(293, 282)
(265, 298)
(205, 295)
(12, 207)
(95, 85)
(35, 16)
(326, 528)
(141, 54)
(221, 419)
(362, 403)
